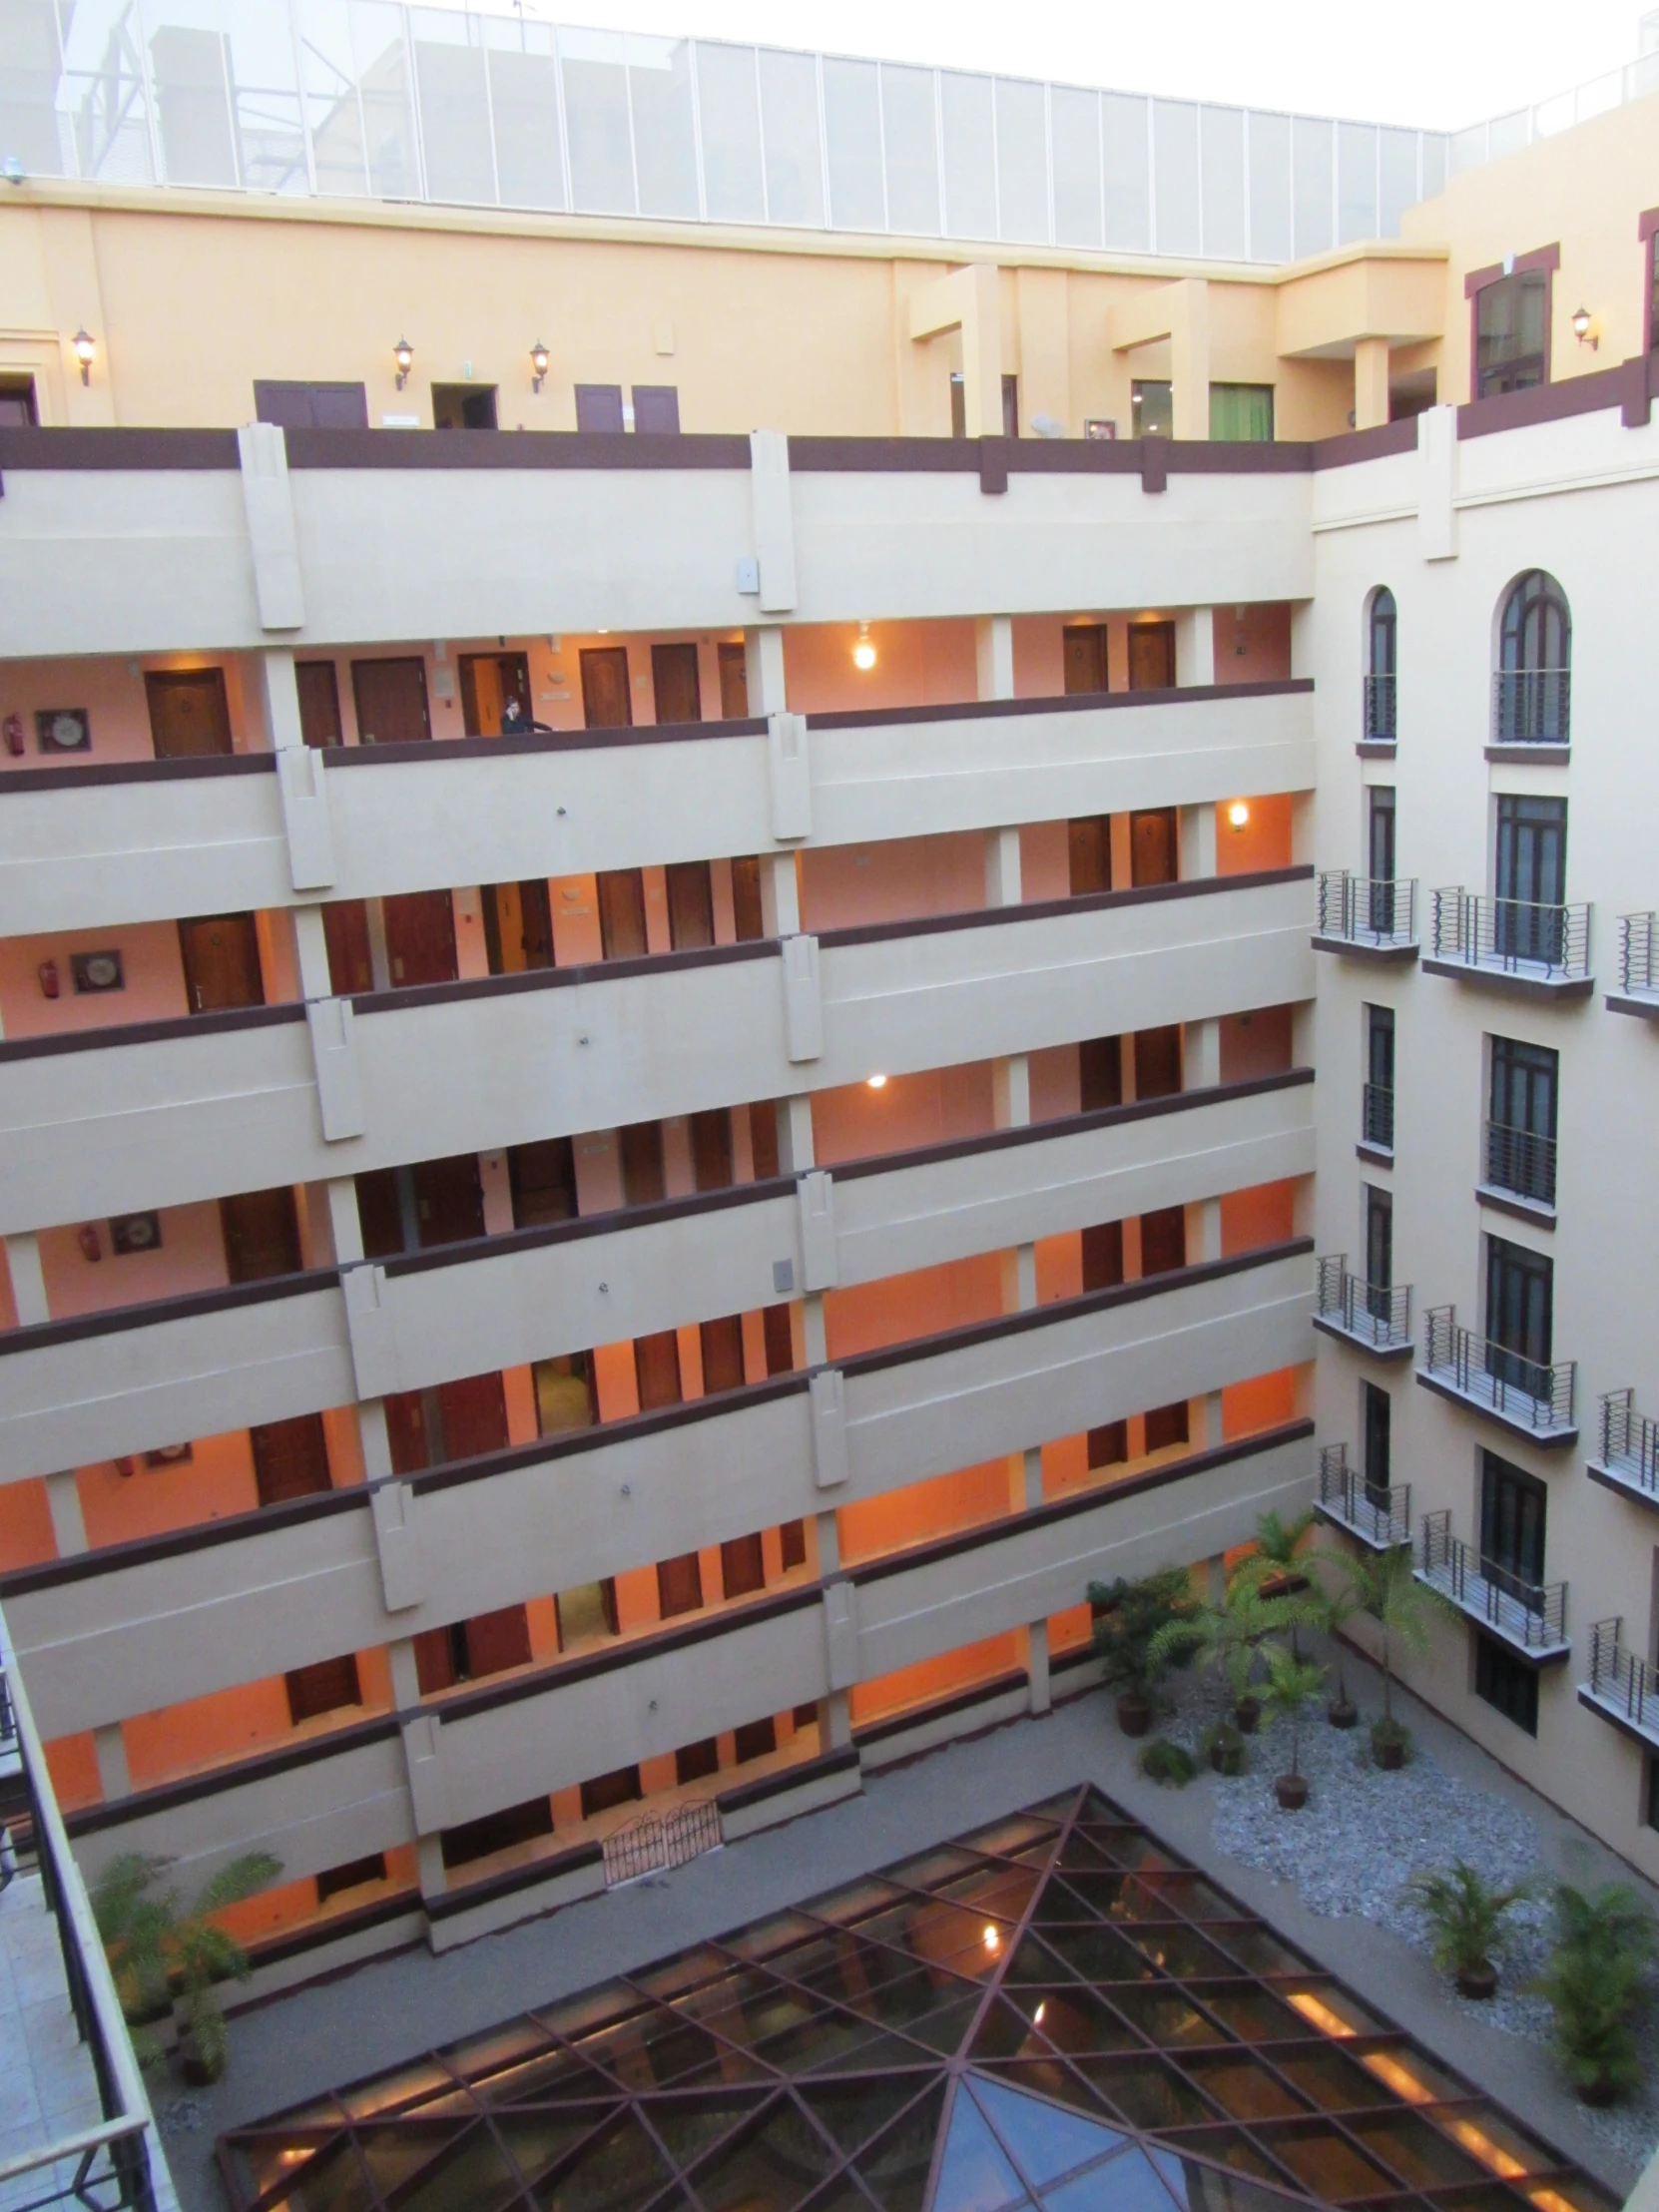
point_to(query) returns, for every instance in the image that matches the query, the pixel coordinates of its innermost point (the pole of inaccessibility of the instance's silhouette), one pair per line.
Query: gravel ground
(1362, 1833)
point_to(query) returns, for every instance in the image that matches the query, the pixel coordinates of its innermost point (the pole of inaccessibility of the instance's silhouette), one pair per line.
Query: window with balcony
(1381, 648)
(1513, 1512)
(1511, 333)
(1519, 1321)
(1532, 687)
(1376, 1116)
(1520, 1125)
(1530, 879)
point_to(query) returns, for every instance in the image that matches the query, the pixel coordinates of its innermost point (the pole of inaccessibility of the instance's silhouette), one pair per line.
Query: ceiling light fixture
(863, 653)
(877, 1082)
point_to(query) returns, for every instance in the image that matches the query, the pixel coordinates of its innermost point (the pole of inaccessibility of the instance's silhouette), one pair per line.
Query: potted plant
(1170, 1766)
(1465, 1916)
(1334, 1597)
(160, 1956)
(1223, 1639)
(1223, 1747)
(1291, 1683)
(1403, 1609)
(1595, 1984)
(1129, 1618)
(1276, 1567)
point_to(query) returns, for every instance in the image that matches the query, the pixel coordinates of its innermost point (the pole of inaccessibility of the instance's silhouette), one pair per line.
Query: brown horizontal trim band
(942, 1709)
(512, 449)
(403, 1904)
(118, 449)
(784, 1779)
(542, 741)
(177, 1543)
(1524, 410)
(472, 988)
(994, 709)
(1519, 265)
(1049, 910)
(65, 777)
(473, 1895)
(165, 1797)
(121, 1034)
(1081, 1502)
(1374, 445)
(159, 1313)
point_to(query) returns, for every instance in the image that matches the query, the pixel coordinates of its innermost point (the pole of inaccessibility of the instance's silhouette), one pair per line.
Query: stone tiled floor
(47, 2088)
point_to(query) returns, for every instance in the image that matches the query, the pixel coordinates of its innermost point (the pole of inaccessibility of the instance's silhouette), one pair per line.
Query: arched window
(1381, 644)
(1535, 664)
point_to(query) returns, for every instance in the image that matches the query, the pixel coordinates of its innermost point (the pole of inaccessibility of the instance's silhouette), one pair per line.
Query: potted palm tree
(161, 1956)
(1129, 1619)
(1277, 1567)
(1334, 1597)
(1465, 1916)
(1290, 1684)
(1596, 1985)
(1223, 1639)
(1403, 1609)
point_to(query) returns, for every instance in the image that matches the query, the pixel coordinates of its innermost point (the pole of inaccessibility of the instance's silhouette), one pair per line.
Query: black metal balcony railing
(1377, 723)
(658, 1841)
(1360, 910)
(1376, 1114)
(1512, 936)
(1491, 1375)
(1379, 1517)
(1531, 705)
(1521, 1162)
(1622, 1683)
(1530, 1615)
(1637, 934)
(1374, 1313)
(1630, 1442)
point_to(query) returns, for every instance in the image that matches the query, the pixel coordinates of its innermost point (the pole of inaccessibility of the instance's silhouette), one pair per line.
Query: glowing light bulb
(1037, 2016)
(877, 1082)
(1238, 813)
(994, 1941)
(863, 653)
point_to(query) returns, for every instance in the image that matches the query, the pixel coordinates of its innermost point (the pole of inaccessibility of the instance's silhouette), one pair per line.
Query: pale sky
(1435, 63)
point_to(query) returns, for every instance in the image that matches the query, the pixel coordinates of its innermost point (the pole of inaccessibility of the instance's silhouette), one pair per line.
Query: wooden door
(642, 1180)
(622, 913)
(420, 938)
(657, 1370)
(755, 1739)
(320, 717)
(290, 1458)
(1151, 656)
(734, 683)
(742, 1566)
(406, 1434)
(380, 1214)
(518, 927)
(693, 1762)
(748, 914)
(1099, 1073)
(679, 1585)
(543, 1179)
(390, 698)
(1089, 852)
(1108, 1445)
(322, 1687)
(763, 1138)
(488, 682)
(607, 1791)
(346, 934)
(440, 1658)
(1154, 846)
(474, 1410)
(722, 1342)
(607, 703)
(1166, 1425)
(674, 682)
(690, 905)
(496, 1641)
(1158, 1062)
(220, 954)
(780, 1340)
(1163, 1241)
(262, 1235)
(1103, 1256)
(449, 1200)
(1084, 648)
(711, 1147)
(189, 717)
(481, 1839)
(793, 1536)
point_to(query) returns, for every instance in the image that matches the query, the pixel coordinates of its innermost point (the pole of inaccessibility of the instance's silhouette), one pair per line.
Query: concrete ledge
(1611, 1479)
(1329, 1327)
(986, 1705)
(1619, 1002)
(1391, 955)
(1505, 979)
(790, 1791)
(329, 1946)
(1379, 1156)
(1523, 1209)
(1546, 1439)
(522, 1894)
(1529, 756)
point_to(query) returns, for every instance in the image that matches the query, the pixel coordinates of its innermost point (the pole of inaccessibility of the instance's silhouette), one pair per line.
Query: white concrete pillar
(1002, 867)
(1198, 842)
(1195, 646)
(406, 1681)
(829, 1544)
(28, 1280)
(1200, 1055)
(281, 698)
(344, 1220)
(834, 1720)
(779, 896)
(311, 949)
(63, 1504)
(1370, 383)
(108, 1749)
(763, 666)
(993, 639)
(1037, 1665)
(434, 1876)
(1213, 1425)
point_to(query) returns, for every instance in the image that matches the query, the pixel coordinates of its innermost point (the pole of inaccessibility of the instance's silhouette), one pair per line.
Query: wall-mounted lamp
(86, 351)
(877, 1082)
(863, 653)
(1581, 330)
(539, 359)
(403, 355)
(1238, 815)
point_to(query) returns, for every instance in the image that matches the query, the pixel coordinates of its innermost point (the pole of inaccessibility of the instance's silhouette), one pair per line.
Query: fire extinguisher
(13, 728)
(92, 1244)
(50, 984)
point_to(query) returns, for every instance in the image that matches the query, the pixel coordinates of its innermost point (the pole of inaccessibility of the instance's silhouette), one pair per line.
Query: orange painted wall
(293, 1904)
(934, 1679)
(190, 1256)
(897, 880)
(1265, 1214)
(1264, 841)
(152, 967)
(1070, 1629)
(216, 1481)
(72, 1763)
(910, 1111)
(26, 1538)
(1256, 1043)
(918, 663)
(1044, 861)
(903, 1306)
(1262, 1403)
(231, 1723)
(1253, 643)
(967, 1498)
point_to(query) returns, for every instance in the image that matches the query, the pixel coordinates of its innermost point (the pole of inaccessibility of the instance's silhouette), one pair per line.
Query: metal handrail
(1381, 1518)
(1360, 909)
(1531, 705)
(1377, 1313)
(1619, 1678)
(1492, 1375)
(1531, 1614)
(1521, 1161)
(659, 1840)
(1517, 937)
(1377, 712)
(1637, 934)
(1629, 1440)
(1376, 1114)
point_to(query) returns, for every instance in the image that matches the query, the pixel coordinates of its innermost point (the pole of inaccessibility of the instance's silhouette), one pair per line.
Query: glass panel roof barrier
(374, 99)
(1054, 2013)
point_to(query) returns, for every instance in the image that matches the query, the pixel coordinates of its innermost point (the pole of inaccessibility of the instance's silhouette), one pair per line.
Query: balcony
(1622, 1688)
(1531, 715)
(1367, 918)
(1376, 724)
(1627, 1455)
(1513, 943)
(1375, 1316)
(1524, 1395)
(1638, 991)
(1531, 1618)
(1381, 1519)
(1377, 1121)
(1520, 1174)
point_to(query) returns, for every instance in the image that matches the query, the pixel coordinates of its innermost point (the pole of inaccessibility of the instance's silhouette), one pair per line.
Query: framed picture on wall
(63, 730)
(169, 1456)
(130, 1233)
(96, 971)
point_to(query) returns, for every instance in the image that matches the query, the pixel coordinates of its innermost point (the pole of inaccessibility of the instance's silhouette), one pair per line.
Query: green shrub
(1596, 1985)
(1465, 1916)
(1167, 1763)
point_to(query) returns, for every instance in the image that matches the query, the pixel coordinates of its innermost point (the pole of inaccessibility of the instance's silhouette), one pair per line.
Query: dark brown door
(320, 719)
(1154, 846)
(1103, 1256)
(1085, 656)
(1166, 1424)
(346, 934)
(690, 905)
(748, 914)
(599, 409)
(606, 700)
(406, 1432)
(622, 913)
(780, 1340)
(518, 927)
(674, 682)
(220, 954)
(1163, 1241)
(643, 1179)
(1151, 656)
(734, 683)
(290, 1458)
(380, 1213)
(190, 719)
(519, 1824)
(449, 1200)
(1099, 1073)
(420, 938)
(1089, 850)
(742, 1566)
(440, 1658)
(692, 1762)
(496, 1641)
(543, 1178)
(711, 1146)
(755, 1739)
(607, 1791)
(474, 1410)
(1158, 1062)
(793, 1536)
(390, 698)
(1109, 1444)
(655, 410)
(723, 1354)
(657, 1370)
(262, 1235)
(489, 681)
(322, 1687)
(679, 1585)
(763, 1138)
